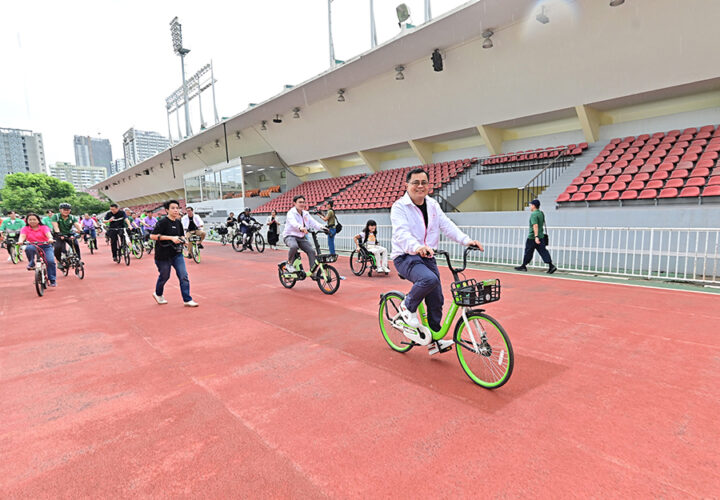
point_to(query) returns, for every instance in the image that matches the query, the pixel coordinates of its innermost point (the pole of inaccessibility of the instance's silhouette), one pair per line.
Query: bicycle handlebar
(458, 270)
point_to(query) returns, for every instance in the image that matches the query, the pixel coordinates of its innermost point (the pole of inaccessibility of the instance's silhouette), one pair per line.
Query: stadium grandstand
(604, 140)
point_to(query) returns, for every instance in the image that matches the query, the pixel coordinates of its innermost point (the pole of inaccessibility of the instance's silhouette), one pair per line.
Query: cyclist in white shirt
(417, 221)
(193, 224)
(296, 229)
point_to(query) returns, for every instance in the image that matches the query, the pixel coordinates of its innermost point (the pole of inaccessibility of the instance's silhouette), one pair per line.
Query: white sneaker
(289, 268)
(191, 303)
(440, 346)
(159, 299)
(410, 318)
(9, 259)
(387, 270)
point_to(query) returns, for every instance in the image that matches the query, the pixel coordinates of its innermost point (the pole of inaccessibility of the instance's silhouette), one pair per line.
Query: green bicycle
(136, 244)
(11, 243)
(482, 345)
(325, 275)
(192, 250)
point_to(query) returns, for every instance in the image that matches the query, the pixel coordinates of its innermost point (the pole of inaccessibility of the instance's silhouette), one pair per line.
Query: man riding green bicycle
(417, 221)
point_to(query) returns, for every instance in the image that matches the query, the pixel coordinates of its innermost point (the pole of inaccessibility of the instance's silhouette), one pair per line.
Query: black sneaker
(200, 245)
(521, 268)
(552, 269)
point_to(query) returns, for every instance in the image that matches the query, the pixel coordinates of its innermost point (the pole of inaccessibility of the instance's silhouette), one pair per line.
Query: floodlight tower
(176, 33)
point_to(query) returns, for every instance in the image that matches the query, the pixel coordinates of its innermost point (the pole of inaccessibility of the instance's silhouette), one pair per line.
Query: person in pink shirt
(34, 232)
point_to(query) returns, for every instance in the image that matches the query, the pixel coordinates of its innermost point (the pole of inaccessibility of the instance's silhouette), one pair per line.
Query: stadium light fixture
(176, 34)
(341, 95)
(263, 125)
(616, 3)
(542, 18)
(399, 75)
(277, 119)
(403, 13)
(488, 43)
(296, 112)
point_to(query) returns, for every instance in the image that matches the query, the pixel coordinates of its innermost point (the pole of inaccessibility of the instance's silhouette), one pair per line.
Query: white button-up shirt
(295, 221)
(408, 227)
(186, 221)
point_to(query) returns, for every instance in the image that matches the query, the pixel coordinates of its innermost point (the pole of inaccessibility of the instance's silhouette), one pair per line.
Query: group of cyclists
(417, 222)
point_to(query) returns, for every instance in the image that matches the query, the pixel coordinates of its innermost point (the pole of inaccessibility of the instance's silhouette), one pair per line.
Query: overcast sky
(100, 67)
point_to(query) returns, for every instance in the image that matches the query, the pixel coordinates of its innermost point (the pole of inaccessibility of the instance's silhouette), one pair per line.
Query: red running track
(267, 392)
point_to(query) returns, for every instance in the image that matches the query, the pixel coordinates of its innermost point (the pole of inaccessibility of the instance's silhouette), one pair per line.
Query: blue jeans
(90, 231)
(49, 257)
(425, 276)
(331, 240)
(178, 262)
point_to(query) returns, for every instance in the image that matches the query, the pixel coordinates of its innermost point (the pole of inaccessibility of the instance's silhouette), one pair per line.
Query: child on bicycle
(368, 237)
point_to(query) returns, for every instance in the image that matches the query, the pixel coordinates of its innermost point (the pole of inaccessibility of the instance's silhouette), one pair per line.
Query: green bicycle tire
(389, 307)
(480, 367)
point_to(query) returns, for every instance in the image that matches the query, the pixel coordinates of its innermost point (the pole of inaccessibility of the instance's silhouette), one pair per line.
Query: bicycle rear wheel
(329, 280)
(484, 350)
(259, 243)
(66, 265)
(90, 245)
(357, 263)
(390, 310)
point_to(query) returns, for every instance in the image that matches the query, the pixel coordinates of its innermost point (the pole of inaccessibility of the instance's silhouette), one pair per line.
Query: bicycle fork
(483, 337)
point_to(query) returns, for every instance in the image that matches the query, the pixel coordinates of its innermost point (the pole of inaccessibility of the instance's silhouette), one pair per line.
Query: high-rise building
(20, 151)
(117, 166)
(80, 177)
(139, 146)
(92, 151)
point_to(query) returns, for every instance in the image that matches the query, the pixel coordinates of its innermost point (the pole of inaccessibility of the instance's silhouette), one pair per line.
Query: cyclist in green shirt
(63, 225)
(11, 229)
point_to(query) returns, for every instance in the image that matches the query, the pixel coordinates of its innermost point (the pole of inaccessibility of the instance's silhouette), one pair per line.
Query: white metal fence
(691, 255)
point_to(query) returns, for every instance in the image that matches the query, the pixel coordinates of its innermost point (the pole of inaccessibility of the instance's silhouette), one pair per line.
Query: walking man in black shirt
(168, 234)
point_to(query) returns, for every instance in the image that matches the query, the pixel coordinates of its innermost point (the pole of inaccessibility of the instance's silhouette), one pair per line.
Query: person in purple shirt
(149, 224)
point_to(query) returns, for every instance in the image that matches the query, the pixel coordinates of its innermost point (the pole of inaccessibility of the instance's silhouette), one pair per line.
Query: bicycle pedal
(436, 347)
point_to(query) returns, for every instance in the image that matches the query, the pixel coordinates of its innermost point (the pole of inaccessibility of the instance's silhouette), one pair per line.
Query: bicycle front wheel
(137, 250)
(357, 263)
(80, 271)
(328, 279)
(484, 350)
(196, 254)
(237, 243)
(39, 285)
(126, 256)
(90, 246)
(259, 243)
(286, 278)
(390, 322)
(14, 255)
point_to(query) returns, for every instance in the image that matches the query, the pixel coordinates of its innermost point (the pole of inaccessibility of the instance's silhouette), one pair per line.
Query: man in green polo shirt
(10, 228)
(63, 224)
(536, 239)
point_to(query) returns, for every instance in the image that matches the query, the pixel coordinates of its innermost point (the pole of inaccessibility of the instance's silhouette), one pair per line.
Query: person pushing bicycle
(117, 220)
(417, 221)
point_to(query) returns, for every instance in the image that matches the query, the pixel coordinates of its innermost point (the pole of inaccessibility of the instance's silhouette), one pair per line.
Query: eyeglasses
(419, 183)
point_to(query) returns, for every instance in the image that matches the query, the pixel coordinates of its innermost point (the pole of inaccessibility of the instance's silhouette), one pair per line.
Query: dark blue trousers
(178, 262)
(425, 277)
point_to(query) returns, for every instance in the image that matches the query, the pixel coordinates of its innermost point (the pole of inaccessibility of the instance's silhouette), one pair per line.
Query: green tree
(39, 192)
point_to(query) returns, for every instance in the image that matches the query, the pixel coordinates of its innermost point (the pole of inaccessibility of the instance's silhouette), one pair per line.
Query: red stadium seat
(636, 185)
(647, 194)
(668, 193)
(594, 196)
(695, 181)
(578, 197)
(674, 183)
(679, 174)
(611, 196)
(563, 198)
(629, 195)
(711, 190)
(654, 184)
(690, 192)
